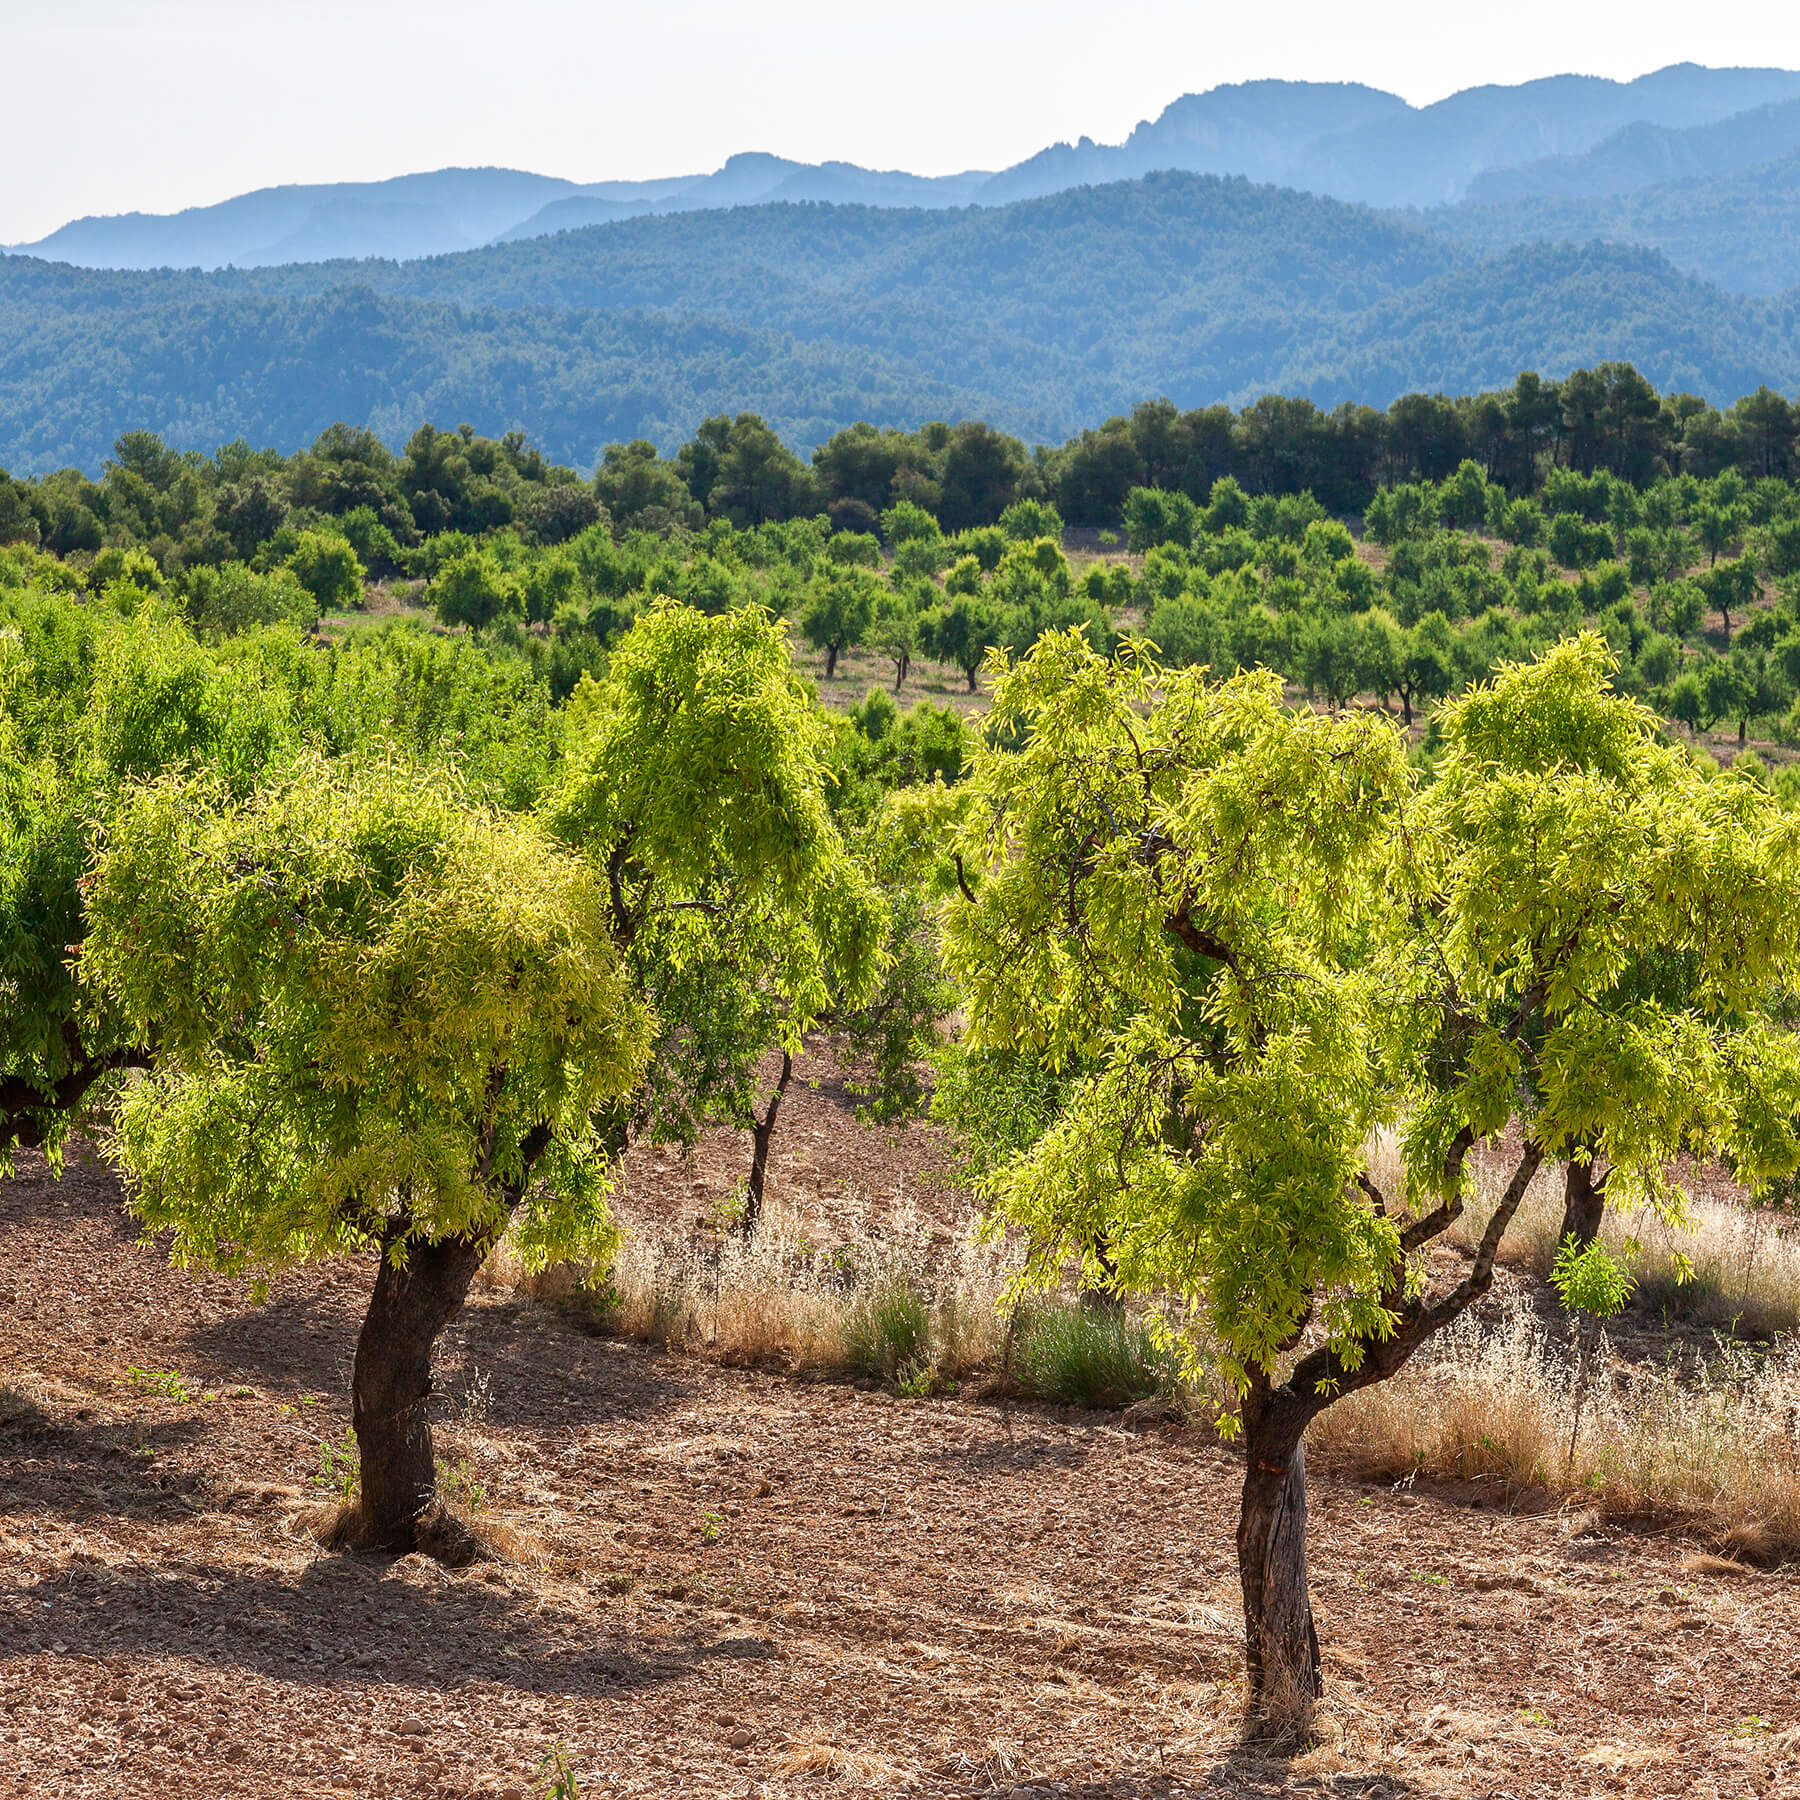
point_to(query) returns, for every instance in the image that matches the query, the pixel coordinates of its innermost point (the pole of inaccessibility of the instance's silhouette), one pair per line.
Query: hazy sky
(121, 105)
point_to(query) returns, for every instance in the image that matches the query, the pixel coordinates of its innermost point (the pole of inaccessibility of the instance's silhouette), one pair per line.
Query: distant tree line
(188, 509)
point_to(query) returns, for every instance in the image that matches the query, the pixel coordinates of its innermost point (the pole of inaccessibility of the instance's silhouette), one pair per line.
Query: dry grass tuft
(443, 1535)
(17, 1408)
(1701, 1563)
(1709, 1444)
(1286, 1716)
(1751, 1541)
(836, 1764)
(1620, 1759)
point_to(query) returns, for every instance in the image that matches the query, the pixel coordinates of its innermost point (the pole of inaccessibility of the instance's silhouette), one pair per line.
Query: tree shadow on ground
(87, 1469)
(355, 1622)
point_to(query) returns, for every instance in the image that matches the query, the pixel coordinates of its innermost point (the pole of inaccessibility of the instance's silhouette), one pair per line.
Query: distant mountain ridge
(1561, 136)
(410, 215)
(1214, 289)
(1642, 155)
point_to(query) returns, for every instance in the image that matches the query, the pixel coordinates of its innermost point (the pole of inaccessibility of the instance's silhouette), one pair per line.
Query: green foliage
(888, 1332)
(838, 613)
(1585, 872)
(697, 792)
(340, 1466)
(1154, 517)
(170, 1383)
(474, 590)
(229, 597)
(1154, 850)
(327, 567)
(1588, 1280)
(376, 1012)
(557, 1774)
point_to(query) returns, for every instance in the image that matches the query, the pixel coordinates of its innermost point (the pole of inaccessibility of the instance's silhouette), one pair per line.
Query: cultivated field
(713, 1579)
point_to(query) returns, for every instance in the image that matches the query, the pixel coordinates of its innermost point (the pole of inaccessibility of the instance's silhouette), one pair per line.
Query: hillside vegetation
(1039, 317)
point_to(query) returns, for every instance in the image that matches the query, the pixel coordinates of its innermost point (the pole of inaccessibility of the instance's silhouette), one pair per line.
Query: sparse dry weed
(1744, 1261)
(862, 1766)
(1710, 1442)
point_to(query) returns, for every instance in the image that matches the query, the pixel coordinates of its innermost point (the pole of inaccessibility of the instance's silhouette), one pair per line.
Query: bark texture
(391, 1386)
(1281, 1645)
(1584, 1202)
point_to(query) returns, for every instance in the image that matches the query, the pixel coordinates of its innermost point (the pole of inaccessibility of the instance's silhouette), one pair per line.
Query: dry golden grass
(1712, 1444)
(863, 1767)
(783, 1300)
(1709, 1440)
(1745, 1262)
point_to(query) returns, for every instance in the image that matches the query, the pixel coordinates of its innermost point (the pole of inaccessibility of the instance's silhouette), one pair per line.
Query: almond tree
(387, 1019)
(1240, 940)
(383, 1020)
(697, 787)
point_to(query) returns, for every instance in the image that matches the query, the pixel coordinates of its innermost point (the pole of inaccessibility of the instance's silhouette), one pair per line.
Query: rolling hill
(1740, 230)
(1043, 316)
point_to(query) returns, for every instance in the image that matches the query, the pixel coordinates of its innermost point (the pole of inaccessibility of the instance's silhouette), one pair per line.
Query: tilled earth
(726, 1582)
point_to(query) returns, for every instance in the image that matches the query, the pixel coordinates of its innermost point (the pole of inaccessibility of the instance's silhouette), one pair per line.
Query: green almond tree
(697, 787)
(1617, 926)
(1176, 895)
(1234, 940)
(382, 1019)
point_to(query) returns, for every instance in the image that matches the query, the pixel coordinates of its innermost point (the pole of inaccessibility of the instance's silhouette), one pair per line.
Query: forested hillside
(1740, 229)
(1038, 317)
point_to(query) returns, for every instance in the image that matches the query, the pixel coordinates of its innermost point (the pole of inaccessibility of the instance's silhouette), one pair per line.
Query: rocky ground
(730, 1582)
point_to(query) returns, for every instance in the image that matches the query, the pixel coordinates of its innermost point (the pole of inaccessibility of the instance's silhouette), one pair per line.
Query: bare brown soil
(830, 1171)
(728, 1582)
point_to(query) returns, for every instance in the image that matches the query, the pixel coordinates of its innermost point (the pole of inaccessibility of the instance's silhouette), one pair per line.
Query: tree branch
(27, 1109)
(1205, 943)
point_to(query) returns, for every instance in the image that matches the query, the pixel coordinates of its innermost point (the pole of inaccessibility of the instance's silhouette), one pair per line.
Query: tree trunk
(831, 656)
(971, 673)
(1584, 1202)
(1406, 708)
(1281, 1647)
(764, 1130)
(391, 1386)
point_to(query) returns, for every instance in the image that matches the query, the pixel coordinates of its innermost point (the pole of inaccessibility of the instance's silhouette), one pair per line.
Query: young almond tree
(1615, 927)
(382, 1020)
(1235, 940)
(697, 788)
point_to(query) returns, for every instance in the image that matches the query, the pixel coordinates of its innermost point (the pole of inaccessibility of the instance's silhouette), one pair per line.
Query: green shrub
(888, 1331)
(231, 597)
(1090, 1356)
(329, 570)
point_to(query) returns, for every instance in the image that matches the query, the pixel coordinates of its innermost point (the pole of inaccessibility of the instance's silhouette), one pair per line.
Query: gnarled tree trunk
(1584, 1201)
(391, 1386)
(1281, 1647)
